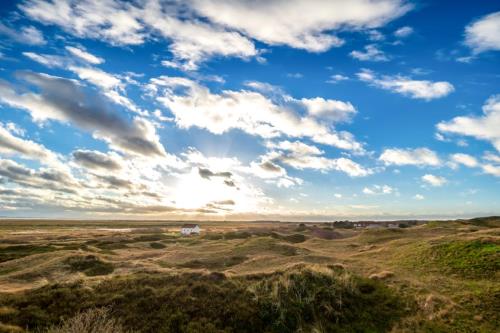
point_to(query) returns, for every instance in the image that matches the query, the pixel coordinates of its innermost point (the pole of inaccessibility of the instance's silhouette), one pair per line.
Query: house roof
(189, 225)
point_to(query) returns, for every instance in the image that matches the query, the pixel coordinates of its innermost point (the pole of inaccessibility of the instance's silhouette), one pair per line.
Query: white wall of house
(189, 231)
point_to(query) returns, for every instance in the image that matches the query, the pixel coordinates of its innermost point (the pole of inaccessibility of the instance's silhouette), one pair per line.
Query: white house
(188, 229)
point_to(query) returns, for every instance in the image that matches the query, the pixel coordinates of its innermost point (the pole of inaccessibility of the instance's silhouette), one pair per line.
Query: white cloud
(252, 112)
(403, 32)
(483, 35)
(489, 156)
(337, 78)
(378, 190)
(112, 21)
(351, 168)
(84, 55)
(419, 197)
(198, 30)
(48, 60)
(26, 35)
(284, 22)
(126, 23)
(333, 110)
(375, 35)
(371, 53)
(11, 145)
(337, 195)
(193, 41)
(484, 127)
(98, 77)
(112, 85)
(434, 180)
(417, 156)
(297, 147)
(417, 89)
(302, 156)
(491, 169)
(464, 159)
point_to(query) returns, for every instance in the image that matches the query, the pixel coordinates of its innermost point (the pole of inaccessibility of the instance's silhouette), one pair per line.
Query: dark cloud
(95, 160)
(222, 205)
(229, 183)
(51, 179)
(271, 167)
(207, 174)
(224, 202)
(115, 182)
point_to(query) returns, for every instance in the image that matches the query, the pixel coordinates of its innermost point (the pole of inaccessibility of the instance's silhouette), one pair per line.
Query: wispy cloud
(417, 89)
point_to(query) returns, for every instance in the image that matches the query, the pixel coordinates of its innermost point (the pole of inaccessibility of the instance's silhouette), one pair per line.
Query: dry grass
(443, 295)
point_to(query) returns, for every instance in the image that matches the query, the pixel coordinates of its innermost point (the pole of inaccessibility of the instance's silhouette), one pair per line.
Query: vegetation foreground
(123, 276)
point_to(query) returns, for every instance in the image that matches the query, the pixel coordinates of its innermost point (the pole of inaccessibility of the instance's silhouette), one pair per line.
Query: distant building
(189, 229)
(368, 224)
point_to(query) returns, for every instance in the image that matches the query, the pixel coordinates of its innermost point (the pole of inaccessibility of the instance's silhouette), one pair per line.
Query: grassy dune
(250, 277)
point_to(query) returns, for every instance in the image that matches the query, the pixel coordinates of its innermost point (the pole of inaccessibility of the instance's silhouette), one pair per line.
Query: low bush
(157, 245)
(294, 238)
(237, 235)
(89, 265)
(213, 236)
(150, 238)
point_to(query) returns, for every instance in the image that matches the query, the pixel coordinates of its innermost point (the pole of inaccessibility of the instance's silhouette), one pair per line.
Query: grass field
(442, 276)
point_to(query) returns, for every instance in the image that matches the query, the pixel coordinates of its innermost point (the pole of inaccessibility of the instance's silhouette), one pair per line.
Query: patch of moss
(470, 259)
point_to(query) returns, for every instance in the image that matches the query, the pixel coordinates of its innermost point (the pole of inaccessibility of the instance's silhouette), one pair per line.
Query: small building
(189, 229)
(375, 226)
(368, 225)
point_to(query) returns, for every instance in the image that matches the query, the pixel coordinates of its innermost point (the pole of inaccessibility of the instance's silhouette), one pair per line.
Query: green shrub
(215, 263)
(237, 235)
(89, 265)
(19, 251)
(150, 238)
(213, 236)
(294, 238)
(157, 246)
(110, 244)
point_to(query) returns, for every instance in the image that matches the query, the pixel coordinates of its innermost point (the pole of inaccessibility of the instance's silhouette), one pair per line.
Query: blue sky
(290, 110)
